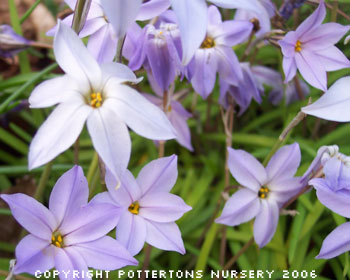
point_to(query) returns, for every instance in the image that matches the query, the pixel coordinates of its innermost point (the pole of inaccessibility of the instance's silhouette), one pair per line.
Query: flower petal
(192, 19)
(110, 138)
(125, 193)
(121, 14)
(289, 68)
(325, 35)
(246, 169)
(233, 32)
(165, 236)
(70, 192)
(284, 163)
(338, 202)
(336, 243)
(131, 232)
(33, 254)
(334, 104)
(204, 76)
(58, 132)
(52, 91)
(91, 222)
(69, 260)
(311, 69)
(182, 130)
(333, 59)
(162, 66)
(266, 222)
(119, 71)
(152, 9)
(103, 45)
(31, 215)
(73, 57)
(158, 175)
(313, 21)
(137, 112)
(105, 253)
(162, 207)
(242, 206)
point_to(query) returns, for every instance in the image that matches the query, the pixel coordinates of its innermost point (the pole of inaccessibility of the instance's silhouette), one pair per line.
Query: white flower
(96, 94)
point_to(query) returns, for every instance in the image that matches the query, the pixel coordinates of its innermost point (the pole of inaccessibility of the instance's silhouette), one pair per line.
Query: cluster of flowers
(191, 41)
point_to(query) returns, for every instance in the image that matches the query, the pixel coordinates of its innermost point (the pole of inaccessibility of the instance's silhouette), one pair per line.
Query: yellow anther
(169, 108)
(57, 240)
(263, 192)
(96, 99)
(298, 46)
(208, 43)
(134, 208)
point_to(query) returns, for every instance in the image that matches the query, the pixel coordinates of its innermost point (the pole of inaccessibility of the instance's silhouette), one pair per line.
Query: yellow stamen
(208, 43)
(298, 46)
(134, 208)
(96, 99)
(57, 240)
(169, 108)
(263, 192)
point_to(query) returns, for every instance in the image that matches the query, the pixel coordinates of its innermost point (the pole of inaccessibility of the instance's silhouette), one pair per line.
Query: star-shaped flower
(149, 210)
(215, 54)
(310, 48)
(265, 190)
(98, 95)
(71, 234)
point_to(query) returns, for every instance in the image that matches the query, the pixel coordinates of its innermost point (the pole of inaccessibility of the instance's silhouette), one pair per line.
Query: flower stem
(92, 168)
(43, 181)
(119, 55)
(81, 11)
(233, 260)
(146, 261)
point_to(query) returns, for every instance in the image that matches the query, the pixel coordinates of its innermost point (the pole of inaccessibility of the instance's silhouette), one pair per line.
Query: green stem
(29, 12)
(80, 14)
(119, 55)
(25, 86)
(43, 181)
(92, 168)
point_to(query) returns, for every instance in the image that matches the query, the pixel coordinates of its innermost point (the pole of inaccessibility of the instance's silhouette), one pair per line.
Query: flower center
(263, 192)
(169, 109)
(134, 208)
(298, 46)
(208, 43)
(57, 240)
(96, 99)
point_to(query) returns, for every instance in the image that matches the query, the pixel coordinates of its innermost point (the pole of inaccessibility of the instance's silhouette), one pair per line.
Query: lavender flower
(158, 49)
(336, 243)
(310, 48)
(334, 104)
(334, 190)
(10, 42)
(192, 18)
(265, 190)
(216, 55)
(177, 115)
(273, 79)
(149, 210)
(247, 88)
(263, 23)
(107, 21)
(71, 234)
(97, 95)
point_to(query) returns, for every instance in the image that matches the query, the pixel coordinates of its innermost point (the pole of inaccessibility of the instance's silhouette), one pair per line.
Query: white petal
(58, 132)
(52, 91)
(334, 104)
(192, 18)
(121, 14)
(110, 138)
(137, 112)
(74, 58)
